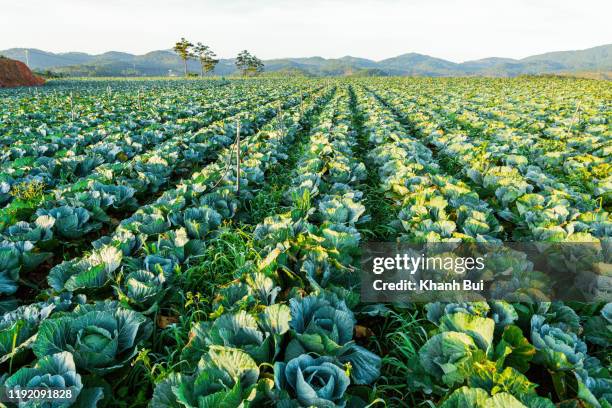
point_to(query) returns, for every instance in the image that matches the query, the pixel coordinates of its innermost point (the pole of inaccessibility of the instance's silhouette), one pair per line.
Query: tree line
(247, 64)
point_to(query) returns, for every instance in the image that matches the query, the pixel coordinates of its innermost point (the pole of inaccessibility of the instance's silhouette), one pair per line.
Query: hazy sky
(457, 30)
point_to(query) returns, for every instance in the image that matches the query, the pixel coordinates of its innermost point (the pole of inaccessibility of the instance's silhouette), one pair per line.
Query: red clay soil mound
(16, 73)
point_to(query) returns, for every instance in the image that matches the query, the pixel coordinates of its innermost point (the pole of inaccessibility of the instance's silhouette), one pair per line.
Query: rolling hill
(165, 62)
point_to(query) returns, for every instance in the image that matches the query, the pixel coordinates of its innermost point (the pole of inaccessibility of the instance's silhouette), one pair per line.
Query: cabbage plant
(9, 270)
(313, 382)
(225, 377)
(21, 324)
(92, 272)
(55, 371)
(40, 230)
(556, 349)
(70, 222)
(102, 337)
(466, 397)
(447, 356)
(323, 324)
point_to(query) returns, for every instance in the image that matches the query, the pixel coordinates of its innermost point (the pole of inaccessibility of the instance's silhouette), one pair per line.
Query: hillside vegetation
(165, 62)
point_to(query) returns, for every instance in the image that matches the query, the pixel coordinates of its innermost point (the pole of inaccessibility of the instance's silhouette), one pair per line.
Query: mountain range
(597, 61)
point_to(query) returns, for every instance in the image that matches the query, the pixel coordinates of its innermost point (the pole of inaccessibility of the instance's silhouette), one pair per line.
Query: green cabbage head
(225, 377)
(556, 349)
(102, 337)
(324, 325)
(448, 356)
(55, 371)
(315, 382)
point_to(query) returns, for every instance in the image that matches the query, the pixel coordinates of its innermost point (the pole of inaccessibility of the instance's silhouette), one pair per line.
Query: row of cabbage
(308, 257)
(57, 157)
(535, 207)
(481, 354)
(131, 149)
(432, 205)
(32, 122)
(577, 158)
(118, 189)
(142, 261)
(563, 127)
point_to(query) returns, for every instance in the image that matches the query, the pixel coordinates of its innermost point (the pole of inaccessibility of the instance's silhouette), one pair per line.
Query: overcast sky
(457, 30)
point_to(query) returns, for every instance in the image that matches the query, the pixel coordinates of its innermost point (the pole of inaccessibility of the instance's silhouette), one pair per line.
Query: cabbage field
(195, 243)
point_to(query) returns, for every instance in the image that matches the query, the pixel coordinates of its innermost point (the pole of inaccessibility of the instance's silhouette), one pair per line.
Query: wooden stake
(280, 118)
(576, 116)
(71, 107)
(301, 102)
(238, 158)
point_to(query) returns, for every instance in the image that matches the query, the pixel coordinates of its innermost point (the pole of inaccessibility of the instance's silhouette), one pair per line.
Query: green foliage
(101, 337)
(56, 371)
(206, 57)
(315, 382)
(32, 191)
(249, 65)
(183, 49)
(199, 294)
(476, 398)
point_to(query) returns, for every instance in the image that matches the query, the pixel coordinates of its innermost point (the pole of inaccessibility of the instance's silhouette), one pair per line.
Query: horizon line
(314, 56)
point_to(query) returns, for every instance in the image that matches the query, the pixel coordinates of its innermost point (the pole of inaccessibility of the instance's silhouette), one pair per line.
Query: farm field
(195, 243)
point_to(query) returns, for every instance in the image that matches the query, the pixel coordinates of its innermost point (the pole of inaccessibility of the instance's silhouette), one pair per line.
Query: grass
(228, 256)
(398, 339)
